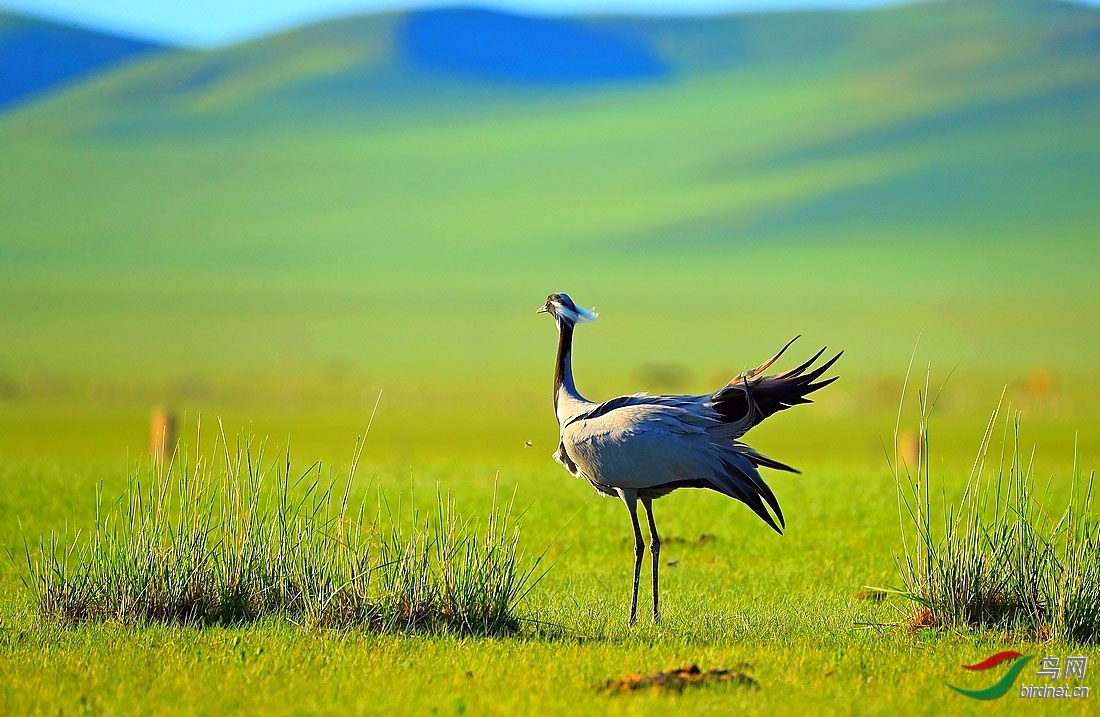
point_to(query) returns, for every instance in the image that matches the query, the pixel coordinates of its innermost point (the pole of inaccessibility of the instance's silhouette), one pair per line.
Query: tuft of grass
(232, 538)
(998, 558)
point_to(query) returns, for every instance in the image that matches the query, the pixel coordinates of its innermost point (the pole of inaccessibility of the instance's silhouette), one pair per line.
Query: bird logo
(1003, 685)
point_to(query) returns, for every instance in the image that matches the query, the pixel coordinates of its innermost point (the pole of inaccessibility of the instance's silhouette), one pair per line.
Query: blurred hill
(376, 197)
(39, 55)
(449, 56)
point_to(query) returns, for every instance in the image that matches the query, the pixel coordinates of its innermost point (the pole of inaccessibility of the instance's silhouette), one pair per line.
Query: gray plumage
(643, 447)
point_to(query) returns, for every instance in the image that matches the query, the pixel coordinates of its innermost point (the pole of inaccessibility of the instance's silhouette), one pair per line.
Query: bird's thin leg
(655, 552)
(630, 497)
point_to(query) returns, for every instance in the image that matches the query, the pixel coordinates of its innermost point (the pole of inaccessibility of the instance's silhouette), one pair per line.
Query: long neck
(563, 370)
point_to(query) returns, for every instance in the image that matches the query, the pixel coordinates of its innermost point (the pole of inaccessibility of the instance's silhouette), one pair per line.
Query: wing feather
(649, 447)
(751, 397)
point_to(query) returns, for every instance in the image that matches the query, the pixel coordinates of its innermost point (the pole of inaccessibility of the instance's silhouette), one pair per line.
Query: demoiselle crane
(641, 447)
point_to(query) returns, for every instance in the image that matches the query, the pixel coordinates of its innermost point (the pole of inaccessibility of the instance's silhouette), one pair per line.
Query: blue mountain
(38, 55)
(498, 46)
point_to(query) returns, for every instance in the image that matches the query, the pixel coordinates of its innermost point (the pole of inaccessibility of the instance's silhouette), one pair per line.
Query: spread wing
(656, 444)
(752, 397)
(669, 442)
(635, 400)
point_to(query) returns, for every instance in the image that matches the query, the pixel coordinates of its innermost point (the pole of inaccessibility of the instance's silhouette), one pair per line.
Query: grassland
(235, 232)
(788, 606)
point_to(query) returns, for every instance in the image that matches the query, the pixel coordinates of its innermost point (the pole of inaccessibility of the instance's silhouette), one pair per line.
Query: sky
(210, 23)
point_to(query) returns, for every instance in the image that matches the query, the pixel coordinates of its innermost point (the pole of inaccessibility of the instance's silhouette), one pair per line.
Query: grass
(788, 606)
(999, 558)
(233, 538)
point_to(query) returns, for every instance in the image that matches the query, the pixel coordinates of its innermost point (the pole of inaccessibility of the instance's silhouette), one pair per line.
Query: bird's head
(562, 308)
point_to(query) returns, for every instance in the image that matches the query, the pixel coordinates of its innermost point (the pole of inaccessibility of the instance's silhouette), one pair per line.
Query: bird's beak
(544, 309)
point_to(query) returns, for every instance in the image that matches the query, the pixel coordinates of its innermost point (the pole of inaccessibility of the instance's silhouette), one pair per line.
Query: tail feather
(748, 375)
(741, 481)
(760, 460)
(797, 370)
(750, 398)
(745, 402)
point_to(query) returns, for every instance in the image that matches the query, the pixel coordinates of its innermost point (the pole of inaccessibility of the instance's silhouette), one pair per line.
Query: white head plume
(567, 310)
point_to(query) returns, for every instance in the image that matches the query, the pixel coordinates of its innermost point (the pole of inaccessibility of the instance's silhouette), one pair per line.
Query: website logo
(1075, 666)
(1050, 668)
(1001, 686)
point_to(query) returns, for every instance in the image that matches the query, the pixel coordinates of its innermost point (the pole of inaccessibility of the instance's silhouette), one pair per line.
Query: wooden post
(162, 434)
(909, 449)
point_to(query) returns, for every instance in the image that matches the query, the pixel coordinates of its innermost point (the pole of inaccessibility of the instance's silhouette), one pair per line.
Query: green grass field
(236, 233)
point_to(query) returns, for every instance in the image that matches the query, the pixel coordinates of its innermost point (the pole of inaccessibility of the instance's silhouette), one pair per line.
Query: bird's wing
(648, 444)
(633, 400)
(752, 397)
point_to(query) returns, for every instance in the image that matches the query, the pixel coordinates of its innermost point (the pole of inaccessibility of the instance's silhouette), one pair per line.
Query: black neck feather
(563, 370)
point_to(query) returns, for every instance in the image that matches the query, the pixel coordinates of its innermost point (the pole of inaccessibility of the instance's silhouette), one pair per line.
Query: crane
(641, 447)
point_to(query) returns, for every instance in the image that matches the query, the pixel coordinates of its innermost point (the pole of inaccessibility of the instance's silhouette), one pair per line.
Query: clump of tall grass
(998, 558)
(234, 538)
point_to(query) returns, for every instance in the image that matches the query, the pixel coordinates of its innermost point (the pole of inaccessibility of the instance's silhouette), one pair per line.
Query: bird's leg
(630, 497)
(655, 552)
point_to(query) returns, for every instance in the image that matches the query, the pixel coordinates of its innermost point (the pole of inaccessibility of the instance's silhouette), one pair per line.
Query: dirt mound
(677, 679)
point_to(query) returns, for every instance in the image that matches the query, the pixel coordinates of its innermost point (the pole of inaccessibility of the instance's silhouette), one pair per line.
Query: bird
(639, 447)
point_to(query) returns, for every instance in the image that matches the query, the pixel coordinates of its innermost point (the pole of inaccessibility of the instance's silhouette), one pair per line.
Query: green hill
(313, 204)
